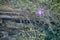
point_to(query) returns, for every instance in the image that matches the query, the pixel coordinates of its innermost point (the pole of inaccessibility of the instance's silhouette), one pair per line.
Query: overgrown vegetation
(31, 26)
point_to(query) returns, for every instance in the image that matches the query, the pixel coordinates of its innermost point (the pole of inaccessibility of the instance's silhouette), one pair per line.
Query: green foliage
(43, 29)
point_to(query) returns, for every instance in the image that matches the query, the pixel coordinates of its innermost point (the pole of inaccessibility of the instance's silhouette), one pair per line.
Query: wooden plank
(9, 14)
(17, 13)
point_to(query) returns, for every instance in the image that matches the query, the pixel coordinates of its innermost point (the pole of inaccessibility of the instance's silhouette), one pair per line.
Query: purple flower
(40, 12)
